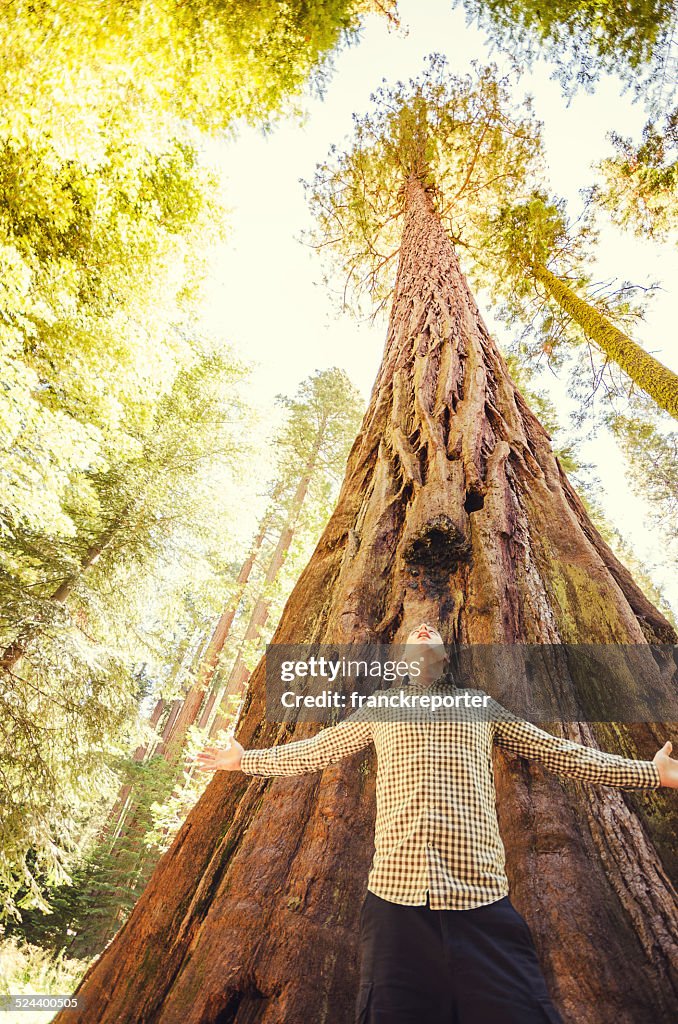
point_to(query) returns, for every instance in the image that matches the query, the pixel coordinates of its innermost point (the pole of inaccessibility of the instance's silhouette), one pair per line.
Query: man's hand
(213, 759)
(667, 766)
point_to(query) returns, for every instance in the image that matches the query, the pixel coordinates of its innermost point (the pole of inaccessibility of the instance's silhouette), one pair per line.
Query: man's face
(425, 633)
(432, 649)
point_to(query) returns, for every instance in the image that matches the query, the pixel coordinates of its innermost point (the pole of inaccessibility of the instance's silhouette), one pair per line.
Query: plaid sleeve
(565, 757)
(309, 755)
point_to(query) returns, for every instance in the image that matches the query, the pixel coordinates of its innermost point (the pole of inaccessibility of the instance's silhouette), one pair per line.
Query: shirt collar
(435, 687)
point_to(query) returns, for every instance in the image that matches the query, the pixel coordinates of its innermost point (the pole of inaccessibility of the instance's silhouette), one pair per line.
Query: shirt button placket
(429, 790)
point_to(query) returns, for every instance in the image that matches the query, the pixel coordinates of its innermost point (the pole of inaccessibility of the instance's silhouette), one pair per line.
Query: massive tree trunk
(453, 507)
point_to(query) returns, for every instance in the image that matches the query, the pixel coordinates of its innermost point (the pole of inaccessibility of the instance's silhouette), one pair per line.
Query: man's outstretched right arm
(309, 755)
(296, 758)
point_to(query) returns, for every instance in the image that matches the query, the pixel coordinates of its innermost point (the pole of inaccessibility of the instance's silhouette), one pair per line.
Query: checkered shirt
(436, 827)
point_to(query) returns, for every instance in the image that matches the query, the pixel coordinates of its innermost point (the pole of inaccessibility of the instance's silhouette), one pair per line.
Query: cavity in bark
(474, 501)
(437, 551)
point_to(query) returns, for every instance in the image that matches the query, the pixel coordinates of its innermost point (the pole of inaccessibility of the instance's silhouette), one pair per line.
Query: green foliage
(532, 233)
(100, 263)
(26, 968)
(70, 706)
(311, 446)
(582, 37)
(323, 419)
(640, 183)
(459, 135)
(126, 459)
(108, 881)
(650, 444)
(207, 62)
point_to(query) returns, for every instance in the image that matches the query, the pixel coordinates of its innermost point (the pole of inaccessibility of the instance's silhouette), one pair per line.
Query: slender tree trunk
(243, 579)
(195, 699)
(648, 373)
(172, 743)
(224, 627)
(239, 673)
(123, 797)
(146, 750)
(133, 821)
(453, 507)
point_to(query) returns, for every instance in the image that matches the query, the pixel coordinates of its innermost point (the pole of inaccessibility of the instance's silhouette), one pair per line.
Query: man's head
(428, 648)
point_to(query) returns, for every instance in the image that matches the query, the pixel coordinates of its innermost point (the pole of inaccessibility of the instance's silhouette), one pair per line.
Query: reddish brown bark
(453, 507)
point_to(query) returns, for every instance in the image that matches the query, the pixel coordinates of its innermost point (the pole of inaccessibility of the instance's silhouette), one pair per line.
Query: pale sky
(263, 295)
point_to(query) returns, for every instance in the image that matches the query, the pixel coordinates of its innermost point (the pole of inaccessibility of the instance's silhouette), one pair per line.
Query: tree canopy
(460, 135)
(206, 62)
(482, 162)
(639, 186)
(583, 38)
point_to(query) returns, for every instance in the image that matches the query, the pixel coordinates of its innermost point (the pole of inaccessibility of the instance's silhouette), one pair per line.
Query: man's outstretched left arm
(565, 757)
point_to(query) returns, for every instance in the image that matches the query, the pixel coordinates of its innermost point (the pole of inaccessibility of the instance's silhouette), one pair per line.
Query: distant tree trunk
(121, 804)
(195, 698)
(453, 507)
(124, 805)
(239, 673)
(648, 373)
(184, 711)
(224, 627)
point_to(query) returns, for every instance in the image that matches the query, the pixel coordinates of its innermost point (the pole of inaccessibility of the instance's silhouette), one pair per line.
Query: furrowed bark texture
(453, 508)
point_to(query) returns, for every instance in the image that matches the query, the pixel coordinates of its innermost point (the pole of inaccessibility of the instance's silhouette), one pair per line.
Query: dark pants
(424, 966)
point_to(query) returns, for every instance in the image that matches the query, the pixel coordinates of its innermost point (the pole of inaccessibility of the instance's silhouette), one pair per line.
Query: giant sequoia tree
(453, 507)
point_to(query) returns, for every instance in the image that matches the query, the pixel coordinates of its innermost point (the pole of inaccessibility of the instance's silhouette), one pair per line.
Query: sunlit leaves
(119, 421)
(95, 264)
(640, 183)
(71, 702)
(512, 249)
(516, 237)
(209, 62)
(582, 37)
